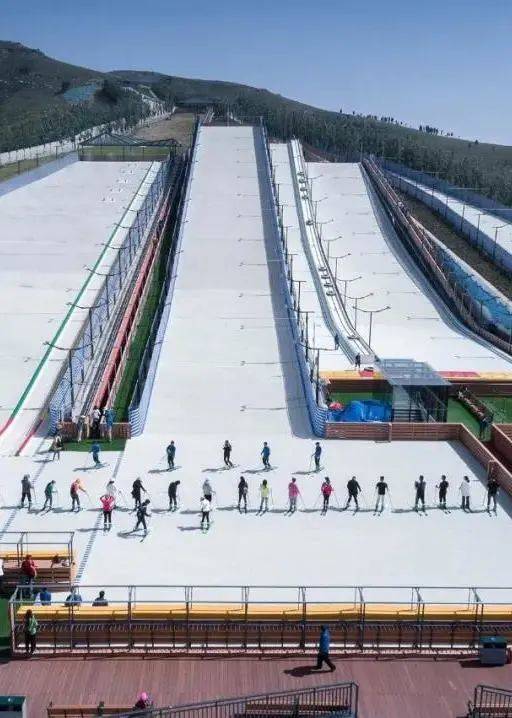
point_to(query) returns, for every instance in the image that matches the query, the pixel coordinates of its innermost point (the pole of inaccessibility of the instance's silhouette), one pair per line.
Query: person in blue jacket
(323, 649)
(95, 451)
(265, 455)
(317, 455)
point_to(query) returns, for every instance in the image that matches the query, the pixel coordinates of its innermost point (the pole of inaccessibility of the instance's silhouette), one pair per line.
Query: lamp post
(371, 312)
(315, 205)
(346, 282)
(358, 299)
(496, 230)
(300, 282)
(328, 242)
(336, 260)
(320, 225)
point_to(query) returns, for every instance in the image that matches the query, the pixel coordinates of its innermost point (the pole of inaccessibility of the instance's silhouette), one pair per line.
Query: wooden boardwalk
(388, 688)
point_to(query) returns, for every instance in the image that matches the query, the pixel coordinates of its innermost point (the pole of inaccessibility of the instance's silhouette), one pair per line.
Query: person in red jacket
(326, 493)
(108, 503)
(293, 494)
(28, 570)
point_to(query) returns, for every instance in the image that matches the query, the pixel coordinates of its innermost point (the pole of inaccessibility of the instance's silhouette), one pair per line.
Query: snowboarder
(443, 490)
(56, 447)
(108, 503)
(137, 488)
(171, 453)
(353, 489)
(326, 493)
(173, 495)
(76, 486)
(293, 493)
(207, 490)
(48, 495)
(317, 454)
(265, 455)
(381, 488)
(264, 493)
(492, 492)
(465, 492)
(142, 514)
(26, 491)
(226, 450)
(243, 490)
(95, 451)
(206, 506)
(419, 486)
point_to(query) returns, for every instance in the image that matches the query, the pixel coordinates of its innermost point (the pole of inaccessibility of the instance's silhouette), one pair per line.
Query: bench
(86, 711)
(53, 571)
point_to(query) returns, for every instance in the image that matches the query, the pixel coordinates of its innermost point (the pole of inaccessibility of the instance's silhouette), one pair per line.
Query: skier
(420, 485)
(26, 491)
(465, 492)
(443, 489)
(56, 447)
(108, 503)
(76, 486)
(353, 489)
(381, 488)
(265, 455)
(293, 493)
(264, 493)
(137, 487)
(326, 493)
(492, 492)
(111, 489)
(243, 490)
(48, 495)
(226, 450)
(206, 506)
(143, 513)
(95, 451)
(317, 454)
(171, 453)
(173, 495)
(207, 490)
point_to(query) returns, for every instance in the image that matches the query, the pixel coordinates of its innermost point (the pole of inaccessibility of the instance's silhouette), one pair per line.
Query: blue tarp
(367, 410)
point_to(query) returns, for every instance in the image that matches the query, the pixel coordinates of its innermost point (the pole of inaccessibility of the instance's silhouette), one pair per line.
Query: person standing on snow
(26, 491)
(465, 492)
(353, 489)
(443, 490)
(172, 492)
(243, 490)
(317, 454)
(108, 503)
(293, 493)
(381, 488)
(49, 490)
(265, 456)
(171, 453)
(75, 487)
(137, 489)
(492, 493)
(205, 506)
(326, 493)
(264, 493)
(208, 492)
(226, 451)
(419, 486)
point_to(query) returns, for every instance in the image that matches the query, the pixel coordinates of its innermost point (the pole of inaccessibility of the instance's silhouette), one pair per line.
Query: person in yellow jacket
(265, 493)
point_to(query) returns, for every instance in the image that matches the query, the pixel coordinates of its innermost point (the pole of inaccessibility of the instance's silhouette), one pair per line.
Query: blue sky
(445, 63)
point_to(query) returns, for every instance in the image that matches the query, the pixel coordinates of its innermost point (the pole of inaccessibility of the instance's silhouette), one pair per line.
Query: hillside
(33, 103)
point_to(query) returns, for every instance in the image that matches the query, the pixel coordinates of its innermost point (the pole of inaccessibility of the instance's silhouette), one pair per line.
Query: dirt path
(178, 127)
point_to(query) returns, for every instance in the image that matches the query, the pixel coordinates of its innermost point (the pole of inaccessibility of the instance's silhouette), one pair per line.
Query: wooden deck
(388, 687)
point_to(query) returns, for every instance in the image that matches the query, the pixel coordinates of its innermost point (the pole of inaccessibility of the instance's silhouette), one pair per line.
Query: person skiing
(207, 490)
(264, 493)
(49, 490)
(419, 486)
(293, 493)
(95, 451)
(26, 491)
(76, 486)
(443, 490)
(111, 489)
(323, 650)
(142, 514)
(108, 503)
(326, 493)
(173, 495)
(137, 489)
(171, 453)
(465, 493)
(492, 493)
(56, 447)
(353, 489)
(317, 454)
(243, 490)
(226, 450)
(265, 455)
(206, 506)
(381, 488)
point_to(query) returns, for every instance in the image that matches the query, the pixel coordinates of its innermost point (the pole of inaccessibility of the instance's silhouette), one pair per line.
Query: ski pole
(336, 498)
(390, 500)
(303, 502)
(317, 500)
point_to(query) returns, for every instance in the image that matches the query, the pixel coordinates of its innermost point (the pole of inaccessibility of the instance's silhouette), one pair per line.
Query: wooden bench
(53, 571)
(84, 711)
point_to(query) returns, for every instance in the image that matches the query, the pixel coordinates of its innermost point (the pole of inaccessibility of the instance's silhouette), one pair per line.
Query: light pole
(320, 225)
(328, 242)
(336, 260)
(371, 312)
(315, 203)
(496, 229)
(358, 299)
(300, 282)
(346, 282)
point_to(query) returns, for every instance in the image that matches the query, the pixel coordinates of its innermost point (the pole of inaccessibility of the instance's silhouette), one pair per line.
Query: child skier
(326, 493)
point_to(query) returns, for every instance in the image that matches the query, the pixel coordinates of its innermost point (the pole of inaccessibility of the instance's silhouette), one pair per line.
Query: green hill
(33, 106)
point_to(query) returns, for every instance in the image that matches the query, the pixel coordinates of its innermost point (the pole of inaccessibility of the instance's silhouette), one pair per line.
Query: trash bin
(13, 706)
(493, 651)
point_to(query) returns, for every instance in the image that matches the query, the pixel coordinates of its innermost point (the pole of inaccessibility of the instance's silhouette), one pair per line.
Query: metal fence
(139, 405)
(490, 702)
(19, 544)
(79, 356)
(338, 700)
